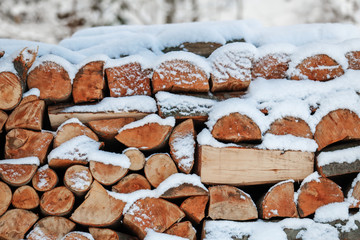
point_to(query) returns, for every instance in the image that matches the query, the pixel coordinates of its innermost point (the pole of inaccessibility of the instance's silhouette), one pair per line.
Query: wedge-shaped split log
(159, 167)
(271, 66)
(6, 196)
(107, 129)
(353, 58)
(290, 125)
(182, 145)
(353, 193)
(231, 203)
(320, 67)
(279, 201)
(24, 61)
(152, 213)
(184, 190)
(194, 208)
(99, 209)
(51, 227)
(131, 183)
(149, 133)
(18, 172)
(57, 202)
(3, 118)
(25, 197)
(78, 179)
(336, 126)
(22, 143)
(77, 235)
(182, 229)
(45, 179)
(11, 90)
(137, 158)
(316, 191)
(15, 223)
(107, 174)
(108, 234)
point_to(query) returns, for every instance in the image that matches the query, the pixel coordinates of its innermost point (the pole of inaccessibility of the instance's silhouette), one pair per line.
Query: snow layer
(6, 64)
(110, 158)
(22, 161)
(349, 198)
(80, 180)
(283, 50)
(288, 142)
(348, 155)
(184, 149)
(32, 91)
(152, 118)
(146, 60)
(332, 212)
(152, 235)
(205, 138)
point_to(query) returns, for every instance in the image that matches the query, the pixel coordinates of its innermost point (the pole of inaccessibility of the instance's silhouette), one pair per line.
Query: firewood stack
(153, 146)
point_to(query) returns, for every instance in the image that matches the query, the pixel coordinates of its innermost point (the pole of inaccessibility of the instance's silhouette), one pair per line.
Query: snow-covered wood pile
(163, 132)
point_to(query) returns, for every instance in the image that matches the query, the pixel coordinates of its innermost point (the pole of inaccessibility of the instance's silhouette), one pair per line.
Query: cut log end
(15, 223)
(51, 228)
(57, 202)
(17, 175)
(184, 190)
(11, 90)
(131, 183)
(107, 129)
(291, 125)
(6, 196)
(25, 197)
(183, 229)
(353, 59)
(45, 179)
(107, 174)
(271, 66)
(159, 167)
(137, 159)
(78, 179)
(194, 208)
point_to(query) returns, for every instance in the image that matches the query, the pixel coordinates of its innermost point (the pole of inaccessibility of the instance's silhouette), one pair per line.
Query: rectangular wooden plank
(244, 166)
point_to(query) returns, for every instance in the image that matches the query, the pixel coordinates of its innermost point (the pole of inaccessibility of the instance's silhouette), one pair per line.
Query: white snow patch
(205, 138)
(287, 142)
(152, 118)
(32, 91)
(184, 149)
(349, 155)
(94, 58)
(283, 50)
(80, 180)
(350, 198)
(110, 158)
(22, 161)
(332, 212)
(146, 60)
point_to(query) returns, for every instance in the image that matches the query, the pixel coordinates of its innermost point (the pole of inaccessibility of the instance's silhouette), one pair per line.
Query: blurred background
(52, 20)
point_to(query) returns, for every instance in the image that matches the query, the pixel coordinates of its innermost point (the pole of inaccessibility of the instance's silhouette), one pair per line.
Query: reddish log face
(158, 168)
(194, 208)
(44, 179)
(338, 125)
(128, 80)
(136, 157)
(318, 68)
(236, 128)
(17, 175)
(89, 83)
(108, 128)
(179, 76)
(131, 183)
(25, 197)
(52, 80)
(356, 195)
(271, 66)
(57, 202)
(71, 130)
(3, 118)
(291, 125)
(184, 190)
(6, 196)
(106, 174)
(78, 179)
(183, 229)
(77, 236)
(10, 90)
(353, 60)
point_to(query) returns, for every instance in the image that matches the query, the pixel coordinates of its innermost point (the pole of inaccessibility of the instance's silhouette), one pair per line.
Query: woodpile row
(117, 149)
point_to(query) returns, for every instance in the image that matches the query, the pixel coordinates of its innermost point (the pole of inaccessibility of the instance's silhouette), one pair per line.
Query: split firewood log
(15, 223)
(107, 174)
(57, 202)
(76, 235)
(131, 183)
(278, 201)
(89, 83)
(182, 229)
(149, 133)
(11, 90)
(78, 179)
(2, 53)
(151, 213)
(184, 190)
(29, 115)
(25, 143)
(159, 167)
(271, 66)
(128, 78)
(194, 208)
(176, 73)
(45, 179)
(137, 158)
(231, 203)
(6, 196)
(316, 191)
(24, 60)
(353, 193)
(18, 172)
(99, 209)
(25, 197)
(290, 125)
(70, 129)
(108, 234)
(107, 129)
(3, 118)
(51, 227)
(353, 58)
(236, 128)
(182, 145)
(338, 125)
(52, 76)
(320, 67)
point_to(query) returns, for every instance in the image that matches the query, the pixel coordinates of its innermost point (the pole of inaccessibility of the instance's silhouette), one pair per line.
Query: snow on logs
(18, 172)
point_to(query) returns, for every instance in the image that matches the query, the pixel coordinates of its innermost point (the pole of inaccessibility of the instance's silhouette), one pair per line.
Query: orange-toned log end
(25, 197)
(2, 53)
(52, 80)
(236, 128)
(353, 60)
(183, 191)
(6, 196)
(279, 202)
(320, 67)
(336, 126)
(291, 125)
(131, 183)
(24, 61)
(71, 130)
(77, 236)
(89, 83)
(51, 227)
(11, 90)
(22, 143)
(137, 158)
(271, 66)
(317, 193)
(108, 234)
(107, 129)
(150, 136)
(78, 179)
(3, 118)
(29, 115)
(57, 202)
(15, 223)
(194, 208)
(179, 76)
(183, 136)
(17, 175)
(128, 80)
(158, 168)
(152, 213)
(107, 174)
(231, 203)
(28, 99)
(182, 229)
(44, 179)
(98, 209)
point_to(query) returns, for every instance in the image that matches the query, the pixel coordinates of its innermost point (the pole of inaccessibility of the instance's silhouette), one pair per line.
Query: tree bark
(159, 167)
(57, 202)
(131, 183)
